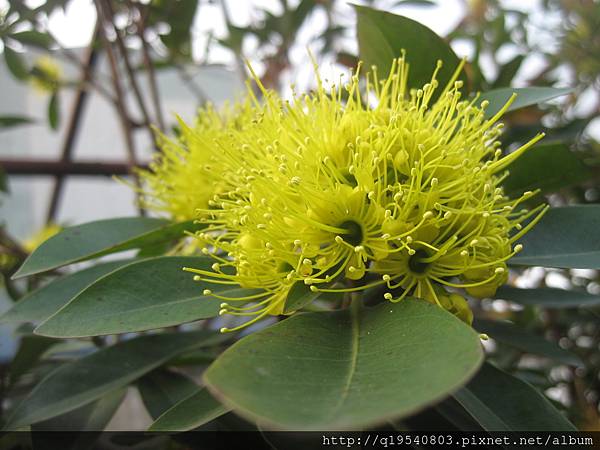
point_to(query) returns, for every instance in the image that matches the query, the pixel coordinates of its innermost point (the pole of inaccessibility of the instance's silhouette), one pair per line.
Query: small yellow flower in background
(347, 189)
(46, 75)
(40, 236)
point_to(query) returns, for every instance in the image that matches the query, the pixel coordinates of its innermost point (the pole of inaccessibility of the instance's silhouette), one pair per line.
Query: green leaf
(548, 297)
(74, 430)
(33, 38)
(91, 417)
(13, 121)
(521, 339)
(40, 304)
(300, 295)
(547, 167)
(3, 182)
(565, 237)
(382, 36)
(348, 368)
(31, 348)
(525, 97)
(508, 71)
(191, 412)
(501, 402)
(179, 15)
(15, 64)
(153, 293)
(84, 380)
(54, 111)
(95, 239)
(161, 389)
(415, 3)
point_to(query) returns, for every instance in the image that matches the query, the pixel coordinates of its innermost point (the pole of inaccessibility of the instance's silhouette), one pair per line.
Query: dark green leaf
(382, 36)
(508, 72)
(161, 389)
(547, 167)
(525, 97)
(75, 429)
(414, 3)
(33, 38)
(179, 15)
(3, 181)
(91, 417)
(566, 237)
(30, 350)
(40, 304)
(190, 413)
(95, 239)
(526, 341)
(348, 368)
(501, 402)
(153, 293)
(548, 297)
(84, 380)
(54, 111)
(13, 121)
(299, 296)
(454, 413)
(15, 64)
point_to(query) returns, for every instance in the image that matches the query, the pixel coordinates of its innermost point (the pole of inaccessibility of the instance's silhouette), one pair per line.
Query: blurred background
(85, 83)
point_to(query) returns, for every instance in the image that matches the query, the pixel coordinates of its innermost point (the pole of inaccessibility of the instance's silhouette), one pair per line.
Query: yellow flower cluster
(348, 189)
(188, 171)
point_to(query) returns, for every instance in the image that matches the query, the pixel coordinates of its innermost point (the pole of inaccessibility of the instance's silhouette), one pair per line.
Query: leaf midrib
(354, 344)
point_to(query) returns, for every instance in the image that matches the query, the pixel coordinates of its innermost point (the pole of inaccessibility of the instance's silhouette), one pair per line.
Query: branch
(63, 168)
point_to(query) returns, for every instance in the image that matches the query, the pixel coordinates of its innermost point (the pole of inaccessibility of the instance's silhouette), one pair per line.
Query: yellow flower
(39, 237)
(384, 188)
(46, 75)
(189, 170)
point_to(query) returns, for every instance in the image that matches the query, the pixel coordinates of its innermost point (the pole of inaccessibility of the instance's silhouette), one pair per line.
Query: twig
(150, 69)
(121, 108)
(109, 15)
(73, 125)
(28, 167)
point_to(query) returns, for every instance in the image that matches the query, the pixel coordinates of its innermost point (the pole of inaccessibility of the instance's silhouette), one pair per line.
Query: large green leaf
(31, 348)
(382, 36)
(566, 237)
(75, 429)
(99, 238)
(526, 341)
(191, 412)
(40, 304)
(501, 402)
(525, 97)
(93, 416)
(547, 167)
(348, 368)
(548, 297)
(161, 389)
(84, 380)
(153, 293)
